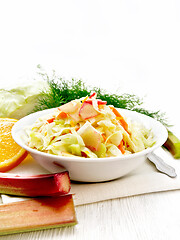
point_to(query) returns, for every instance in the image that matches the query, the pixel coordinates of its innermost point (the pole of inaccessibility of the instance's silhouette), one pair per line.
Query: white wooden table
(150, 216)
(128, 45)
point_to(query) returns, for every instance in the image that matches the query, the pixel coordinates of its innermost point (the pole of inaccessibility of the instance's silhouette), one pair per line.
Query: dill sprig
(63, 91)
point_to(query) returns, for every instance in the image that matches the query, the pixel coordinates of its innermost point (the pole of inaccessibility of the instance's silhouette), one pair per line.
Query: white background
(125, 45)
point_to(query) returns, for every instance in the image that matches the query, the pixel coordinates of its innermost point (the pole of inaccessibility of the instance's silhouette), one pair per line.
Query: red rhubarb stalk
(37, 185)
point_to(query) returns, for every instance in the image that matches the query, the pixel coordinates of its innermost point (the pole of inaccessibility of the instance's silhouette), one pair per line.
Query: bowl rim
(20, 142)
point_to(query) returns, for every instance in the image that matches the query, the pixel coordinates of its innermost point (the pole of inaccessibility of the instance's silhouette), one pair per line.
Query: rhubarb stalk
(173, 145)
(37, 185)
(37, 214)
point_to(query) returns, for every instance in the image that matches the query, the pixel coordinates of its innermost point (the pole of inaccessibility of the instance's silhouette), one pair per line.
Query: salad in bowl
(89, 128)
(94, 141)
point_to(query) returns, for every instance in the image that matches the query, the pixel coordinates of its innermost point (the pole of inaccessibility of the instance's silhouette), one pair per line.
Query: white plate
(92, 169)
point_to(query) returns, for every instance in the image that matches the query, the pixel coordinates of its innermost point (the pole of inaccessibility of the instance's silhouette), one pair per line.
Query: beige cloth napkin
(144, 179)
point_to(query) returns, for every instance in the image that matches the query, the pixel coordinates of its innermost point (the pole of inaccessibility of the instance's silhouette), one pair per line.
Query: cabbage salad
(89, 128)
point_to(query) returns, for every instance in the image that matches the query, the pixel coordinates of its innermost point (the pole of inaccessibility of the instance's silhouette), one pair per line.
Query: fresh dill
(61, 91)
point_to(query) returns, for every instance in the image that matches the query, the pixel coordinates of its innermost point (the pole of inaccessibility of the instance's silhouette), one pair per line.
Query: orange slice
(11, 154)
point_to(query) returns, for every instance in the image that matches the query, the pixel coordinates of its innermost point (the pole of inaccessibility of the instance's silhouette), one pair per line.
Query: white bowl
(92, 169)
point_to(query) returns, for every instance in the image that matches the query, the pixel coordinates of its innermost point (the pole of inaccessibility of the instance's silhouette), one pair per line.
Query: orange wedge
(11, 154)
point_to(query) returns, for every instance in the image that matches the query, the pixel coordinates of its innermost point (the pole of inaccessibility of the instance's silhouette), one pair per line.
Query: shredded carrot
(50, 120)
(121, 147)
(120, 118)
(104, 137)
(123, 123)
(62, 115)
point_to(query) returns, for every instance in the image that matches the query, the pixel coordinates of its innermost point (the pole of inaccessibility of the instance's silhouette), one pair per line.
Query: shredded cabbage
(89, 128)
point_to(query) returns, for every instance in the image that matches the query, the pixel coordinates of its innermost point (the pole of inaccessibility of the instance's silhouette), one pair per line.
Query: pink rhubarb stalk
(37, 214)
(37, 185)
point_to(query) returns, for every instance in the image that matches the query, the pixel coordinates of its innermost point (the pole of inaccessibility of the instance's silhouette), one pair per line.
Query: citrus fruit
(11, 154)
